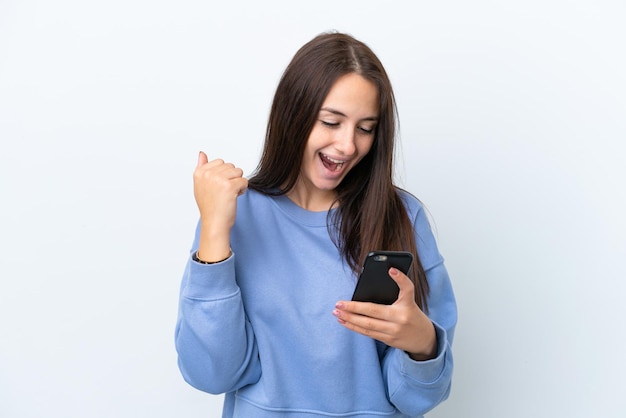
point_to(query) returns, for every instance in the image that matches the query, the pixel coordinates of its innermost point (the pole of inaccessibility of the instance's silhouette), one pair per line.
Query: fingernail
(393, 271)
(336, 313)
(339, 305)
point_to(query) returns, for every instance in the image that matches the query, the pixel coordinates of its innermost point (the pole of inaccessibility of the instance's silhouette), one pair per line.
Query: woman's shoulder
(424, 238)
(254, 198)
(412, 204)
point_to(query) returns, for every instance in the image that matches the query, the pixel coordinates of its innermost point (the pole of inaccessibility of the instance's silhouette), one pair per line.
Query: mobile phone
(375, 284)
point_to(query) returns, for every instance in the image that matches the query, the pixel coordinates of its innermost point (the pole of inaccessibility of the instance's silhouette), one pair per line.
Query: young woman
(265, 312)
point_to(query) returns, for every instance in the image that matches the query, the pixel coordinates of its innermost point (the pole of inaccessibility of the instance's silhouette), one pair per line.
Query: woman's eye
(364, 129)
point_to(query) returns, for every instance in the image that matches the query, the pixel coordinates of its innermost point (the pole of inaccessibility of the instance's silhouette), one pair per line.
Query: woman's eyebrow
(338, 113)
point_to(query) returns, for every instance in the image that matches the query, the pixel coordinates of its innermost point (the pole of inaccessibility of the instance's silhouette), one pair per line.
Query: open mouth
(330, 163)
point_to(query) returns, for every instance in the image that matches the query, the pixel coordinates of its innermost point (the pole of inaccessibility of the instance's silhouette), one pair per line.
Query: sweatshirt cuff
(428, 371)
(211, 281)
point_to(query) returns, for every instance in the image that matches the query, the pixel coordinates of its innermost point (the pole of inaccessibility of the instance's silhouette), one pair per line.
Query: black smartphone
(374, 283)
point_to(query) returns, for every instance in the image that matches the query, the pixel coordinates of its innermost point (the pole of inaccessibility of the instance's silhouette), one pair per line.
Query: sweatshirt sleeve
(217, 351)
(416, 387)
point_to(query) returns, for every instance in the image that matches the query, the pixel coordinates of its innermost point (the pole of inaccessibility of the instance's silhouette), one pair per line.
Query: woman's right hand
(216, 187)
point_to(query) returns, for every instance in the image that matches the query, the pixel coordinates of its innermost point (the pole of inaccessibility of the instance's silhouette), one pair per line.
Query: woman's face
(342, 135)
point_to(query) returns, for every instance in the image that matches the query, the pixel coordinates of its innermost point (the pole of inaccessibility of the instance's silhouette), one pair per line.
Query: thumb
(404, 283)
(202, 159)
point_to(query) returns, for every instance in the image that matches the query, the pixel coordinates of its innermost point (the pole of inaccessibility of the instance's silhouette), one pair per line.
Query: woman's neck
(312, 199)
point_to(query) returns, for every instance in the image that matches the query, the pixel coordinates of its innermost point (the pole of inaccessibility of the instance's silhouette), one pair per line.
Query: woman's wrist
(214, 245)
(429, 352)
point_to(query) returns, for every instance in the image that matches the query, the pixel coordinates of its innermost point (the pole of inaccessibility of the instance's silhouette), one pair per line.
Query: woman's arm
(418, 364)
(416, 387)
(216, 347)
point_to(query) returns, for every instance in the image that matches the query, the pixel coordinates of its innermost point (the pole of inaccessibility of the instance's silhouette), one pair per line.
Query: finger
(372, 327)
(407, 288)
(242, 183)
(365, 309)
(202, 159)
(367, 331)
(228, 170)
(217, 169)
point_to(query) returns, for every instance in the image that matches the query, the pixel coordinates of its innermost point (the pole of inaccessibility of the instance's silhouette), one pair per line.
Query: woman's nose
(345, 142)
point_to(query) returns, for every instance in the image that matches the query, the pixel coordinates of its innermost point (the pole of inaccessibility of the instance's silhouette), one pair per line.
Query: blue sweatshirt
(259, 325)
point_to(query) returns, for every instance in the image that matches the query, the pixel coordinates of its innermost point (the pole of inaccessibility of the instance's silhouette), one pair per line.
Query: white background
(513, 119)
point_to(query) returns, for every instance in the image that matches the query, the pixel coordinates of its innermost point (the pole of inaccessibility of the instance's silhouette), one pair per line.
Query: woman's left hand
(401, 325)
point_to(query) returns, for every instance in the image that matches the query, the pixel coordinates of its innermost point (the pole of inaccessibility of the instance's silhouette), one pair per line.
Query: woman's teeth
(331, 163)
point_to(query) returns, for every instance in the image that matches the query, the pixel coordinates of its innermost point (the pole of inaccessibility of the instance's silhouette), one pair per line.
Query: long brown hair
(371, 214)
